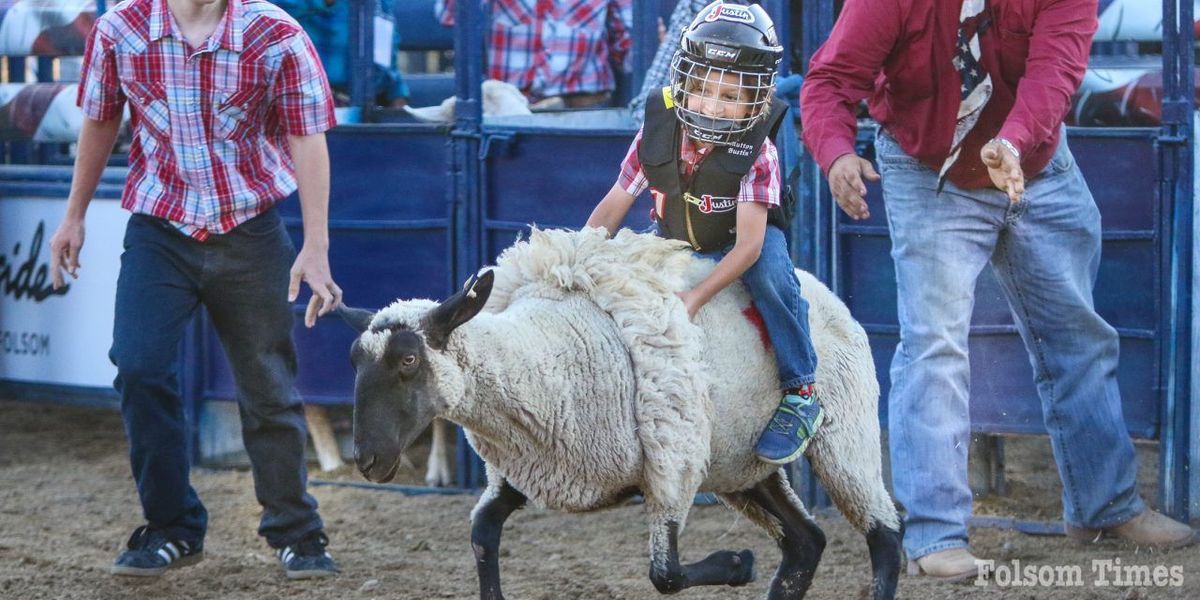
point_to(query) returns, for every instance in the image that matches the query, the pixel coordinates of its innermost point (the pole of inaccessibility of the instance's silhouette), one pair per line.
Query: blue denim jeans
(772, 283)
(241, 278)
(1045, 252)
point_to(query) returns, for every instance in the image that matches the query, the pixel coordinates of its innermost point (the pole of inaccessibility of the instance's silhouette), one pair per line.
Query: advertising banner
(57, 336)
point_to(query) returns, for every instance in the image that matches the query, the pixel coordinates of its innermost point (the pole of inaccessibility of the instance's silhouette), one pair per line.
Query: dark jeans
(242, 279)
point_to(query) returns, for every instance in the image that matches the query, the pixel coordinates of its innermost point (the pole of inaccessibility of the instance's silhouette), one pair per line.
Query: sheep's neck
(497, 355)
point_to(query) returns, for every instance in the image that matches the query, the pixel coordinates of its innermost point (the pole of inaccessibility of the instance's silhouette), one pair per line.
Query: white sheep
(500, 99)
(582, 382)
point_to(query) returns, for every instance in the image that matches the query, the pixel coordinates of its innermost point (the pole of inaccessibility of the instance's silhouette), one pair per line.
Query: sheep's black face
(395, 387)
(393, 398)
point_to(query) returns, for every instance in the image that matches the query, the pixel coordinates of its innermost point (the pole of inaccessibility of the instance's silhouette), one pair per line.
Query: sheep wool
(682, 368)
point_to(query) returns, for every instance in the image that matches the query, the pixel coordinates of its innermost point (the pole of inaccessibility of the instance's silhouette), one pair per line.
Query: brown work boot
(955, 564)
(1149, 528)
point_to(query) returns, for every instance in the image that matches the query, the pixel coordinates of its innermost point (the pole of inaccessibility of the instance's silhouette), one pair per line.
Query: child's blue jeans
(772, 283)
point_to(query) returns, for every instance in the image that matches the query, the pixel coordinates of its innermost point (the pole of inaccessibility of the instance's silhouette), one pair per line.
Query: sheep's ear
(357, 318)
(458, 309)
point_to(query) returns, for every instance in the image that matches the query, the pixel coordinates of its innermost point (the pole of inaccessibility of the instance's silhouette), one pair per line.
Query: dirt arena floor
(67, 504)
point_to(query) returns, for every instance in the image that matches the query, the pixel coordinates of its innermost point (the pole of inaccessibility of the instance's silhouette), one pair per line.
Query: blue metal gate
(417, 208)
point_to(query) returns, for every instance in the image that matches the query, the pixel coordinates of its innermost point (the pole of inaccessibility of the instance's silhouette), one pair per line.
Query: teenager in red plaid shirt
(555, 49)
(229, 104)
(705, 153)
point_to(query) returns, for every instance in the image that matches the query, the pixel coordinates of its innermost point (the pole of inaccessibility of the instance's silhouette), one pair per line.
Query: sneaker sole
(310, 574)
(799, 451)
(127, 571)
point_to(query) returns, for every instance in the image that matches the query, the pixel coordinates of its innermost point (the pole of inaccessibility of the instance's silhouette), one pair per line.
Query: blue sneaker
(307, 558)
(791, 428)
(149, 553)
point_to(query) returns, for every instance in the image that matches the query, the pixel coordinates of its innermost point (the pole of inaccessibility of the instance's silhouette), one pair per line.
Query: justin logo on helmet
(730, 12)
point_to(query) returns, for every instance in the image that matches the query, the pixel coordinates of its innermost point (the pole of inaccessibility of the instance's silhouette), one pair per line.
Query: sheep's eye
(409, 360)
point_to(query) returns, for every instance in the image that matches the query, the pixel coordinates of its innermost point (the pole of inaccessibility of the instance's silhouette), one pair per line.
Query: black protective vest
(702, 211)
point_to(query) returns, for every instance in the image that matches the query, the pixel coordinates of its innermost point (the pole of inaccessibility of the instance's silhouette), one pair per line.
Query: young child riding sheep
(705, 153)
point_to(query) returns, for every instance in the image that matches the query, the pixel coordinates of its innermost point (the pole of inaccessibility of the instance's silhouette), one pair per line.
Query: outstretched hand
(846, 182)
(312, 266)
(1005, 170)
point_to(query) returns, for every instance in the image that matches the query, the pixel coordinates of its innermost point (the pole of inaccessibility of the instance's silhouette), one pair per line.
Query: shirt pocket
(239, 107)
(1012, 52)
(149, 102)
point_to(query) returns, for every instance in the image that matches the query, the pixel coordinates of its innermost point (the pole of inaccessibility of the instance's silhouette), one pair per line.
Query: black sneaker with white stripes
(149, 553)
(307, 558)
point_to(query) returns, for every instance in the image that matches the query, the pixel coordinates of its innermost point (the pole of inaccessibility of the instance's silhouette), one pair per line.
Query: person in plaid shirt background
(229, 104)
(553, 49)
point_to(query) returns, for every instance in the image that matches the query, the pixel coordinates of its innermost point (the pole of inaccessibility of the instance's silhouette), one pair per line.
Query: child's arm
(751, 230)
(612, 209)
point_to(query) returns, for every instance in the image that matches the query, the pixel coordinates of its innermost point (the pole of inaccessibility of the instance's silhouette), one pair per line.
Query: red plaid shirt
(762, 184)
(210, 125)
(552, 47)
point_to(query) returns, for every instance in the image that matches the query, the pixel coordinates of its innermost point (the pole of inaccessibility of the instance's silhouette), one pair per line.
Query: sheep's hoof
(744, 561)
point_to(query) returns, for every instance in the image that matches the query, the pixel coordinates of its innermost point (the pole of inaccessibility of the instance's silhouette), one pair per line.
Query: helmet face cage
(718, 105)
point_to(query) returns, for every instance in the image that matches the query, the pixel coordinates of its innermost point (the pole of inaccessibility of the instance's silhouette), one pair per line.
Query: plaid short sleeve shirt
(553, 47)
(210, 124)
(761, 184)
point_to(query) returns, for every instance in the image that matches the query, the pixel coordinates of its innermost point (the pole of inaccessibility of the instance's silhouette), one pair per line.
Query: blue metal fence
(417, 208)
(1179, 483)
(1128, 291)
(386, 239)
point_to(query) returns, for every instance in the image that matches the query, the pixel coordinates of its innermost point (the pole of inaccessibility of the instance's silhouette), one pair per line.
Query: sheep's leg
(885, 546)
(802, 542)
(719, 568)
(487, 520)
(848, 462)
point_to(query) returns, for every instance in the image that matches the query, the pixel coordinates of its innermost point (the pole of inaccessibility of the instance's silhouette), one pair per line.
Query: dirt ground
(67, 504)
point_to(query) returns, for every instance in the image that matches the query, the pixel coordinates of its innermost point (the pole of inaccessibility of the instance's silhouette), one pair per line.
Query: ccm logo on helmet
(730, 12)
(715, 52)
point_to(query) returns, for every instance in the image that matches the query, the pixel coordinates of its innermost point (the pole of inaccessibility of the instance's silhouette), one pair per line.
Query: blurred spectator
(658, 75)
(556, 51)
(327, 23)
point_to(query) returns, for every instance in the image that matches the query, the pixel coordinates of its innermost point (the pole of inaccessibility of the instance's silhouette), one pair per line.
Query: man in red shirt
(229, 105)
(970, 97)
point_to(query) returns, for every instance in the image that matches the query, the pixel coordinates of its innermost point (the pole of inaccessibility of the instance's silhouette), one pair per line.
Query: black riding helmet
(725, 41)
